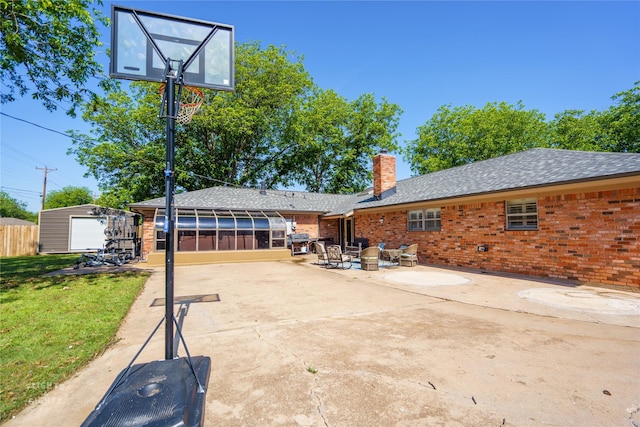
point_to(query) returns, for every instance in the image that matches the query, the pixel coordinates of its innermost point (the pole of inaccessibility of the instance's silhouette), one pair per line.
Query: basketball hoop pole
(171, 391)
(169, 173)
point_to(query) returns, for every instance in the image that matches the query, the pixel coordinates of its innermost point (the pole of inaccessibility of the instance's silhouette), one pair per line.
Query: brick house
(541, 212)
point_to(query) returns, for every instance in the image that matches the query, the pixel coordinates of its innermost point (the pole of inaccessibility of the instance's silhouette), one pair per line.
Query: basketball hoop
(191, 99)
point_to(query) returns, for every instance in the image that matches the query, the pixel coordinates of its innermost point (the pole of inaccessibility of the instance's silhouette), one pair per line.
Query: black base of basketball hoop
(155, 394)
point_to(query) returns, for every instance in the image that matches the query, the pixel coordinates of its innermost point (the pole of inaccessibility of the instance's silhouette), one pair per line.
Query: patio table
(393, 255)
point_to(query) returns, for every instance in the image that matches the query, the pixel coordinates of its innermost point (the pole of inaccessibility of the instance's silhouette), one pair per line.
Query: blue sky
(553, 56)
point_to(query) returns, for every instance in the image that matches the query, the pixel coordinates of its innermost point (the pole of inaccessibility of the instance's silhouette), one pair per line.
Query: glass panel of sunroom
(206, 240)
(277, 238)
(207, 220)
(186, 218)
(277, 223)
(226, 223)
(158, 221)
(244, 240)
(226, 240)
(161, 240)
(262, 239)
(186, 240)
(244, 222)
(261, 223)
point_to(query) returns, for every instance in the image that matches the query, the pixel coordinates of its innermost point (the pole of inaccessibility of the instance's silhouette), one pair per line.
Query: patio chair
(354, 249)
(335, 257)
(409, 255)
(323, 259)
(381, 252)
(369, 258)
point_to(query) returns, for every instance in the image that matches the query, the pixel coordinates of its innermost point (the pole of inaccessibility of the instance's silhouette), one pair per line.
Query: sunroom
(201, 233)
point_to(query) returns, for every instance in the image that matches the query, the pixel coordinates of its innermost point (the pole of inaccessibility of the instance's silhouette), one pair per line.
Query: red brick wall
(147, 234)
(305, 224)
(588, 237)
(384, 173)
(329, 229)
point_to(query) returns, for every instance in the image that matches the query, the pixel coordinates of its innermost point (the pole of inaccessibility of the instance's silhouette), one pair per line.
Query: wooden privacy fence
(17, 240)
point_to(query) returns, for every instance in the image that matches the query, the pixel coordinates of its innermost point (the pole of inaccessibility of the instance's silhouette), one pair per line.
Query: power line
(36, 125)
(95, 143)
(20, 189)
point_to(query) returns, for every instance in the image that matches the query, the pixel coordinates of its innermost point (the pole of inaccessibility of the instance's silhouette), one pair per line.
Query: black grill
(300, 243)
(299, 238)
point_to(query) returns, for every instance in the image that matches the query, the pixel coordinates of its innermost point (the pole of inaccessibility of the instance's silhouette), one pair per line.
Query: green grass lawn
(50, 326)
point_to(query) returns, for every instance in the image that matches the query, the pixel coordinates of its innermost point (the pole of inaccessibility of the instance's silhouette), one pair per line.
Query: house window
(424, 220)
(522, 214)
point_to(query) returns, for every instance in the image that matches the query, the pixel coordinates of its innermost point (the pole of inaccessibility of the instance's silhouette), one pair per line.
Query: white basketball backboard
(142, 42)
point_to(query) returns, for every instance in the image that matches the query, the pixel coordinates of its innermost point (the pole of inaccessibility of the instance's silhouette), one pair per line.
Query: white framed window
(424, 220)
(522, 214)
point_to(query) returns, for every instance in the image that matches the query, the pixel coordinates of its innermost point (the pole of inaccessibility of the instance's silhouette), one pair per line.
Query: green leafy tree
(575, 130)
(622, 121)
(125, 151)
(337, 139)
(319, 129)
(12, 208)
(240, 138)
(68, 196)
(47, 48)
(454, 137)
(616, 129)
(236, 138)
(243, 138)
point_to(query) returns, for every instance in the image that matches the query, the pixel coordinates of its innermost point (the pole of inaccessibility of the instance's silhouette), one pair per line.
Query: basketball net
(191, 99)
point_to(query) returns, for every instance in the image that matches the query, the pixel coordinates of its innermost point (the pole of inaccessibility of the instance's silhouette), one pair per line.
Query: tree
(253, 135)
(68, 196)
(622, 121)
(616, 129)
(575, 130)
(336, 140)
(371, 127)
(12, 208)
(319, 128)
(47, 48)
(240, 138)
(236, 138)
(126, 149)
(454, 137)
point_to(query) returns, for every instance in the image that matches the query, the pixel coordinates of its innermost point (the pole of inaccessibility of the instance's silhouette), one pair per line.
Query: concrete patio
(294, 344)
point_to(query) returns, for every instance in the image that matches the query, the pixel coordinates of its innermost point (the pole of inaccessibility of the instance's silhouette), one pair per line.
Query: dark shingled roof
(251, 199)
(537, 167)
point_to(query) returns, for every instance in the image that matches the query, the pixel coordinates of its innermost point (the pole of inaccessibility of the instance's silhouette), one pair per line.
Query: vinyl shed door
(86, 233)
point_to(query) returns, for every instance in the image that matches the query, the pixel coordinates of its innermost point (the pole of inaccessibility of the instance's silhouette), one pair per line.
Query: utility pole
(44, 185)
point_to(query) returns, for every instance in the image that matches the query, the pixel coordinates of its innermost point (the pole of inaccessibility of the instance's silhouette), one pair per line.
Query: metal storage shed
(82, 228)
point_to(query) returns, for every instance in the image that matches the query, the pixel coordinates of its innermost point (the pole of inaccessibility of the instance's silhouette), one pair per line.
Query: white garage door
(86, 233)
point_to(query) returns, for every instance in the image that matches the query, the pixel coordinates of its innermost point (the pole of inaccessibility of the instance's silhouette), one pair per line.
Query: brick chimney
(384, 175)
